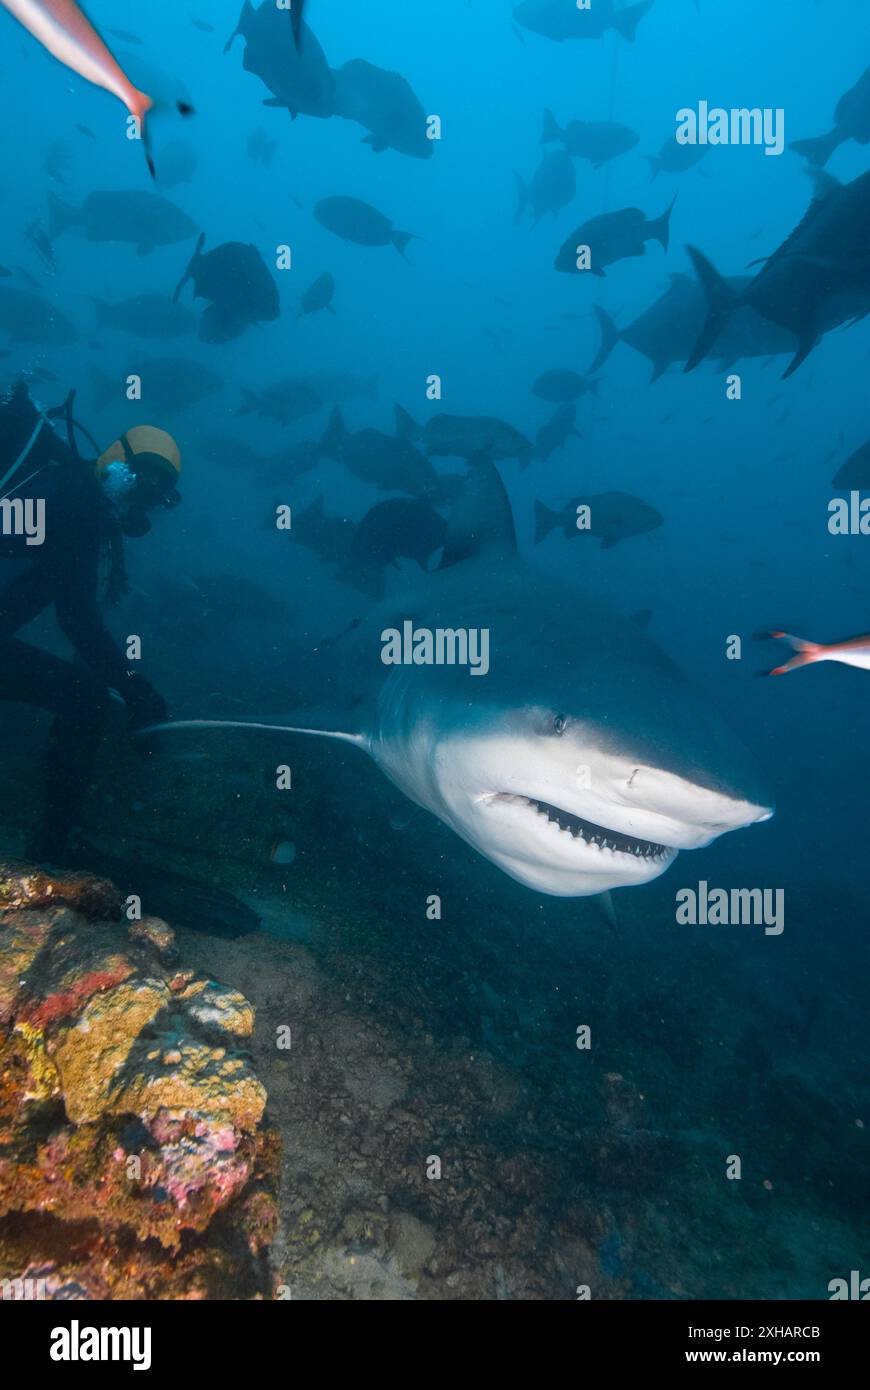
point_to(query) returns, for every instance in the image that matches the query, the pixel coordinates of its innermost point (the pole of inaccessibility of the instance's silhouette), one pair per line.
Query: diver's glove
(144, 705)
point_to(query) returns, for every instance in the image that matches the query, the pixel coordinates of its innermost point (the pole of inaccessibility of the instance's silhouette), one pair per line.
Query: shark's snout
(573, 828)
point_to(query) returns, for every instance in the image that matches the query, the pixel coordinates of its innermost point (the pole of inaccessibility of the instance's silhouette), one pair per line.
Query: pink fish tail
(798, 643)
(803, 659)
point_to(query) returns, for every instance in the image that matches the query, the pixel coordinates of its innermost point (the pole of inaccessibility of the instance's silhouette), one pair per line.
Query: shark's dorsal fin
(481, 523)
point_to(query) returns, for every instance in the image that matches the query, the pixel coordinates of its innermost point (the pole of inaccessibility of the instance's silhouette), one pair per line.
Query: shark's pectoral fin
(260, 726)
(608, 910)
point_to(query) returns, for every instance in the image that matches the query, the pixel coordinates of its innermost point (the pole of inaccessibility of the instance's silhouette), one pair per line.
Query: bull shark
(582, 761)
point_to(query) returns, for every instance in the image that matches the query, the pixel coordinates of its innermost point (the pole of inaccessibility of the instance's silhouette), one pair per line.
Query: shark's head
(577, 764)
(550, 799)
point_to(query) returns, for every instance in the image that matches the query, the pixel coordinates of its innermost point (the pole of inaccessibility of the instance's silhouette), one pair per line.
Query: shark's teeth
(593, 836)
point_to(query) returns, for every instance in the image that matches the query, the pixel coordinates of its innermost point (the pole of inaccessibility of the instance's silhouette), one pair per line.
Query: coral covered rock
(129, 1112)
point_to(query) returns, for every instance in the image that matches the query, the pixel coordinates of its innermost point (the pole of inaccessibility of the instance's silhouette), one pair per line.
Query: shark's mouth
(587, 831)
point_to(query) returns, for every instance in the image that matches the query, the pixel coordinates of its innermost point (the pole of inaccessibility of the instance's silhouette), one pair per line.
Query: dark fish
(234, 598)
(383, 103)
(38, 236)
(851, 122)
(144, 219)
(177, 163)
(330, 537)
(124, 35)
(614, 236)
(291, 64)
(389, 462)
(318, 296)
(818, 279)
(557, 431)
(261, 148)
(57, 161)
(561, 386)
(146, 316)
(237, 282)
(667, 331)
(168, 383)
(398, 529)
(613, 516)
(597, 141)
(674, 158)
(201, 24)
(468, 436)
(284, 402)
(855, 472)
(561, 19)
(553, 187)
(222, 451)
(356, 221)
(292, 462)
(85, 130)
(28, 318)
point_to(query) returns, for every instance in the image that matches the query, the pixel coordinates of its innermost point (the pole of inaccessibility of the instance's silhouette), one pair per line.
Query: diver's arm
(79, 618)
(80, 622)
(75, 567)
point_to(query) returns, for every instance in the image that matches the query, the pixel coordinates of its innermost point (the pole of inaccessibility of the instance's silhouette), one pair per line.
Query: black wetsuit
(64, 571)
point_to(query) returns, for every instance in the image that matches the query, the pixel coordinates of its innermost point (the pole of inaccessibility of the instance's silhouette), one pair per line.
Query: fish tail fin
(806, 652)
(334, 434)
(660, 230)
(806, 343)
(545, 521)
(626, 21)
(61, 215)
(721, 303)
(592, 383)
(610, 336)
(247, 11)
(818, 150)
(522, 197)
(552, 130)
(139, 106)
(400, 241)
(655, 165)
(190, 264)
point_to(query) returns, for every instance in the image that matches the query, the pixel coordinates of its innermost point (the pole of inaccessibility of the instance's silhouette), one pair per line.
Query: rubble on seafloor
(134, 1157)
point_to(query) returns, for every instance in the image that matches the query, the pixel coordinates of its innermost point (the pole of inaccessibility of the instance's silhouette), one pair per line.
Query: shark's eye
(559, 722)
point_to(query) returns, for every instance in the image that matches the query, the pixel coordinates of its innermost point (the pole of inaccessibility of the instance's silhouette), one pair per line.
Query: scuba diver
(88, 509)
